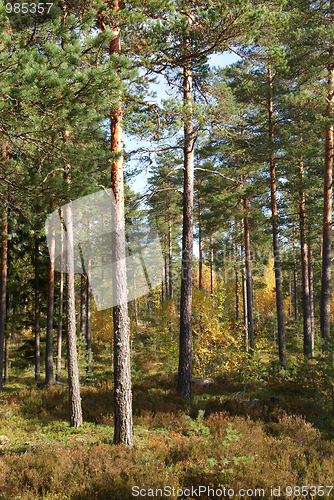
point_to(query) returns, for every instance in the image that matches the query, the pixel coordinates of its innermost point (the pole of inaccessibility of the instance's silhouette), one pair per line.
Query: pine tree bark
(325, 302)
(37, 316)
(123, 432)
(290, 297)
(163, 284)
(88, 334)
(166, 267)
(212, 271)
(89, 326)
(83, 289)
(295, 280)
(60, 312)
(244, 295)
(200, 244)
(3, 290)
(274, 214)
(249, 280)
(7, 344)
(72, 358)
(49, 377)
(237, 291)
(304, 266)
(170, 254)
(185, 356)
(311, 286)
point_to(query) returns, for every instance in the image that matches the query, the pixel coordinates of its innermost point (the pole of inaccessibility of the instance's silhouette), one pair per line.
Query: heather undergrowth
(252, 427)
(225, 437)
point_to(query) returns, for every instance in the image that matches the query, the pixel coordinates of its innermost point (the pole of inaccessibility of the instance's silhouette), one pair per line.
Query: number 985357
(28, 8)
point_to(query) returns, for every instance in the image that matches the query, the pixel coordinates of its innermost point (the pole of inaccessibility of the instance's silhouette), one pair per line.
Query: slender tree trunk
(89, 322)
(72, 358)
(37, 316)
(60, 312)
(325, 302)
(88, 325)
(7, 344)
(185, 356)
(274, 213)
(310, 277)
(7, 336)
(166, 269)
(237, 312)
(163, 284)
(122, 374)
(200, 244)
(304, 266)
(244, 295)
(249, 281)
(170, 252)
(49, 377)
(290, 298)
(295, 281)
(212, 271)
(3, 289)
(83, 290)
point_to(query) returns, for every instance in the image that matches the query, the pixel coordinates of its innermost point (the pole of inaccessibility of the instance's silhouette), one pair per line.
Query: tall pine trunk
(83, 289)
(72, 358)
(3, 290)
(185, 355)
(170, 255)
(237, 291)
(290, 297)
(325, 302)
(89, 326)
(304, 266)
(295, 280)
(49, 377)
(212, 271)
(245, 308)
(88, 332)
(310, 277)
(274, 214)
(37, 316)
(123, 431)
(166, 267)
(249, 280)
(200, 244)
(60, 312)
(7, 344)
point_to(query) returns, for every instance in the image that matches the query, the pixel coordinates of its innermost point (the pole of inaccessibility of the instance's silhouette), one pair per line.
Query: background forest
(223, 375)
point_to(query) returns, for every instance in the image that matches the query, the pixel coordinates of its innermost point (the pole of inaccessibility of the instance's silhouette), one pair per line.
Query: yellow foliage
(212, 336)
(265, 298)
(206, 278)
(102, 326)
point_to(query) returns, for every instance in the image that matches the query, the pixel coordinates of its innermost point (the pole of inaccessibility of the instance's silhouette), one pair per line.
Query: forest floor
(262, 439)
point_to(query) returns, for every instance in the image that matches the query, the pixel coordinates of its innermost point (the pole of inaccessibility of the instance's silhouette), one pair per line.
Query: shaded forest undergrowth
(248, 428)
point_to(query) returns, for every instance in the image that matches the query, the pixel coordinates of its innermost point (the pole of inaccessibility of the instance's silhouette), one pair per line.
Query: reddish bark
(122, 373)
(325, 302)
